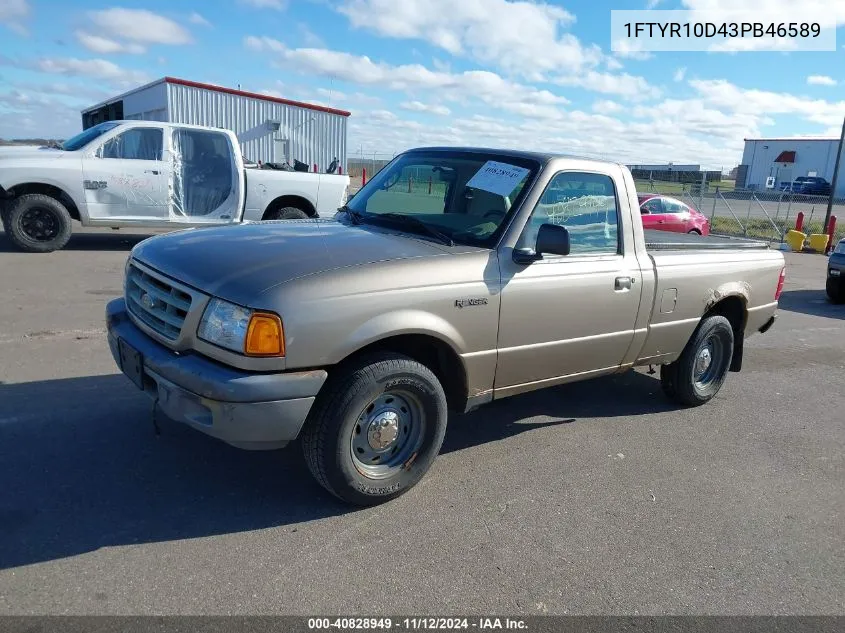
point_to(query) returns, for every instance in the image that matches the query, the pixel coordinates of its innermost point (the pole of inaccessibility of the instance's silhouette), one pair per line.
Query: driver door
(569, 315)
(126, 178)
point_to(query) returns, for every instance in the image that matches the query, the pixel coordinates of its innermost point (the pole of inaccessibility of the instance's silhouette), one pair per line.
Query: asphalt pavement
(589, 498)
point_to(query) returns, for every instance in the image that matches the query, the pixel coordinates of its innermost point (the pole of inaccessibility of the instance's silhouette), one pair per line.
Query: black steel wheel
(38, 223)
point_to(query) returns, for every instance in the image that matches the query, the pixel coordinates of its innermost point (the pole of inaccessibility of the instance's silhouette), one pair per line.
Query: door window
(653, 206)
(671, 206)
(586, 205)
(144, 143)
(203, 172)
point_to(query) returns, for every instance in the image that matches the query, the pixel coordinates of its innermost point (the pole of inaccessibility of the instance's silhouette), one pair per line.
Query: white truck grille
(156, 302)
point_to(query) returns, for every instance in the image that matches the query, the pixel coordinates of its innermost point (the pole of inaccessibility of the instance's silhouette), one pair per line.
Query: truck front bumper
(250, 411)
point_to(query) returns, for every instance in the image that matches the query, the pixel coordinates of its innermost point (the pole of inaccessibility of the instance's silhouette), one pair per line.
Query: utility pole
(835, 179)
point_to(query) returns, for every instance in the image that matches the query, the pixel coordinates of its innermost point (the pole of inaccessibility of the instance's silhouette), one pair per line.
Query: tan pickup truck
(455, 277)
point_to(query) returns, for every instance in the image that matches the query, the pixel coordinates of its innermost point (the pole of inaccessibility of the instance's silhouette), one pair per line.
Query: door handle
(154, 172)
(623, 283)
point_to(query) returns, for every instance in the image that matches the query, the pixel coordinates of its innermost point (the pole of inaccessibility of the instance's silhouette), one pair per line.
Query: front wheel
(701, 370)
(286, 213)
(375, 429)
(835, 290)
(38, 223)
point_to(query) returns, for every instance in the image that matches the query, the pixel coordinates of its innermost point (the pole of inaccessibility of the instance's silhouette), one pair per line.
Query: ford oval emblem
(147, 301)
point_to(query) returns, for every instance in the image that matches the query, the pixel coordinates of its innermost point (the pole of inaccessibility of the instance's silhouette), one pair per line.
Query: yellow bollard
(795, 239)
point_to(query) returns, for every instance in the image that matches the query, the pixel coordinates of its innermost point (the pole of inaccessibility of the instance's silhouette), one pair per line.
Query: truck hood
(19, 152)
(241, 262)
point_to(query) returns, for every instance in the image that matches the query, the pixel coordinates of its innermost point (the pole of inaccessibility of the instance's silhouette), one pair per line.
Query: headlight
(242, 330)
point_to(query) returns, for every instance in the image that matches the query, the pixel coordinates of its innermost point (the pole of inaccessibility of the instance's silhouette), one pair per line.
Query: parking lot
(589, 498)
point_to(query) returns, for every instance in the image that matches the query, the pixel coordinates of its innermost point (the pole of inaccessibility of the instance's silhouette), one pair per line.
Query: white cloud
(486, 86)
(651, 4)
(725, 95)
(278, 5)
(613, 64)
(680, 73)
(419, 106)
(93, 68)
(629, 86)
(821, 80)
(140, 25)
(196, 18)
(606, 107)
(308, 37)
(105, 46)
(12, 12)
(627, 50)
(522, 37)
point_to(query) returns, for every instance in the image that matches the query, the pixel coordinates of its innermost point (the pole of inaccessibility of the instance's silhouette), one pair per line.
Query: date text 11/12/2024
(417, 624)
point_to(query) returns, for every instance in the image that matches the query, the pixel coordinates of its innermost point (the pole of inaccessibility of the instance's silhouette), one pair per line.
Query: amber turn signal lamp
(265, 336)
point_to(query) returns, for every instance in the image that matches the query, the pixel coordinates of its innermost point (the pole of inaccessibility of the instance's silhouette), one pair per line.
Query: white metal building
(270, 129)
(771, 161)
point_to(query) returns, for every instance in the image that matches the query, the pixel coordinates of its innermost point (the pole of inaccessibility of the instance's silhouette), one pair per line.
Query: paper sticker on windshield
(498, 178)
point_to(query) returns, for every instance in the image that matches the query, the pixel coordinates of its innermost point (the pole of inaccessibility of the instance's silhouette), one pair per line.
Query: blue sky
(535, 75)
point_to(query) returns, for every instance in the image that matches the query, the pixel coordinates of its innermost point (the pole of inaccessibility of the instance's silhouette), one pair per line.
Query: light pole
(835, 179)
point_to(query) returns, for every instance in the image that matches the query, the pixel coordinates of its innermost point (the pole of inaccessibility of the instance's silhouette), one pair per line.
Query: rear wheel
(694, 232)
(835, 290)
(701, 370)
(38, 223)
(375, 429)
(286, 213)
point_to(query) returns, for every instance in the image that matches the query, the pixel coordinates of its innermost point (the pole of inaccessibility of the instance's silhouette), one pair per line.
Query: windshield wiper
(410, 219)
(354, 216)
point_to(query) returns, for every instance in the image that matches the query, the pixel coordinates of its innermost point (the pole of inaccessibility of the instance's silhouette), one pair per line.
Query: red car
(668, 214)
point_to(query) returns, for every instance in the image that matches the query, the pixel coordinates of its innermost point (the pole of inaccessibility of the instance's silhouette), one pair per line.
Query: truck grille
(157, 303)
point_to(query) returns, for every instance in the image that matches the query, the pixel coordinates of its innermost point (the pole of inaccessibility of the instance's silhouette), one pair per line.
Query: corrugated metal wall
(314, 136)
(810, 155)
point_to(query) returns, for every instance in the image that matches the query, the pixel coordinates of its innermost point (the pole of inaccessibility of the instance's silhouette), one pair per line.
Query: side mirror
(552, 239)
(644, 211)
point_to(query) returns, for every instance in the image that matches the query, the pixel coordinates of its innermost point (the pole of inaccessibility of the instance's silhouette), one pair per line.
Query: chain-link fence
(365, 163)
(764, 215)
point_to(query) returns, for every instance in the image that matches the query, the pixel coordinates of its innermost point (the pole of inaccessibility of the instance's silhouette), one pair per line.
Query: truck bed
(666, 241)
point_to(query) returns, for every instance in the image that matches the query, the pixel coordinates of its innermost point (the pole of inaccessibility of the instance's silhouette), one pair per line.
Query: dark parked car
(809, 185)
(836, 274)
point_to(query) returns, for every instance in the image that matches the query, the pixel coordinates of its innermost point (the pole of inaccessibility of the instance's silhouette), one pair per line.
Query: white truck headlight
(242, 330)
(225, 324)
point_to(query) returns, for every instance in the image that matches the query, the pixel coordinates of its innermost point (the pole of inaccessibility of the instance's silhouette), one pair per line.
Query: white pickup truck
(152, 175)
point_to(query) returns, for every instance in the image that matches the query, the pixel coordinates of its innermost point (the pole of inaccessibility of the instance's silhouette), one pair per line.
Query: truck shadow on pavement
(813, 302)
(81, 468)
(112, 241)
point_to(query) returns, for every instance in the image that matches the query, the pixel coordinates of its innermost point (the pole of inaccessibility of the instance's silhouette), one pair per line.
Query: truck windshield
(86, 136)
(463, 196)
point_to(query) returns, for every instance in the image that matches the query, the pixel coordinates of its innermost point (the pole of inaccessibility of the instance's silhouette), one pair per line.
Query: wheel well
(435, 354)
(47, 190)
(291, 201)
(733, 309)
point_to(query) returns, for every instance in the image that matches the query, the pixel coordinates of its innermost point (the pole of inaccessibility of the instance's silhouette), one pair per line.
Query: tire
(835, 291)
(693, 380)
(343, 426)
(286, 213)
(694, 232)
(37, 223)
